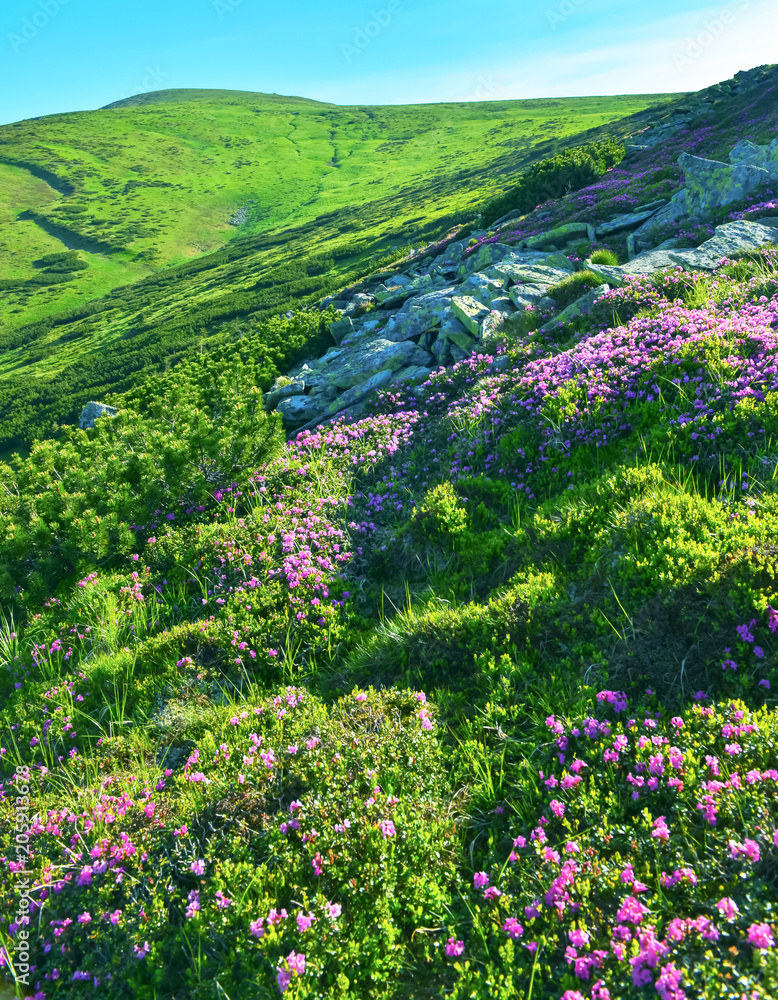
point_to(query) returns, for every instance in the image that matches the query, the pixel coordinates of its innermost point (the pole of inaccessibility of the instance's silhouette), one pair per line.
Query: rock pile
(443, 306)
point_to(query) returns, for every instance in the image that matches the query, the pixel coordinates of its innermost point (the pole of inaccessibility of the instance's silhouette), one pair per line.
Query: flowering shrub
(474, 694)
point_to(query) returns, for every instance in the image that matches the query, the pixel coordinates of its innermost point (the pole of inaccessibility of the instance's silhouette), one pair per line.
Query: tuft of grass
(572, 288)
(604, 257)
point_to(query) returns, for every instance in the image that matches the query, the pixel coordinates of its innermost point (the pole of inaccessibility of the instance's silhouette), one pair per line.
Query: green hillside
(147, 183)
(145, 193)
(466, 693)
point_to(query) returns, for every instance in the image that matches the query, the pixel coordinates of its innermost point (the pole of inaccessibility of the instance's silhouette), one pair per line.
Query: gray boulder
(483, 288)
(359, 392)
(441, 350)
(344, 368)
(92, 411)
(581, 307)
(534, 274)
(675, 210)
(711, 184)
(297, 410)
(410, 373)
(489, 253)
(728, 239)
(626, 221)
(419, 314)
(341, 328)
(459, 354)
(528, 294)
(279, 392)
(503, 304)
(745, 151)
(470, 312)
(452, 255)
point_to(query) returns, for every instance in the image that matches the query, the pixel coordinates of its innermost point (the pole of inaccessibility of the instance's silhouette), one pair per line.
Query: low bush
(604, 257)
(554, 177)
(569, 289)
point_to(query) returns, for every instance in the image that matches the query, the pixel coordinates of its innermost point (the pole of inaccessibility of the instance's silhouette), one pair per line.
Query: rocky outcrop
(92, 411)
(711, 184)
(439, 307)
(728, 239)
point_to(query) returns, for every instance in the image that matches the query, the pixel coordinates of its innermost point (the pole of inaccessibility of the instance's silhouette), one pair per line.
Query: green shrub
(70, 503)
(556, 176)
(604, 257)
(572, 288)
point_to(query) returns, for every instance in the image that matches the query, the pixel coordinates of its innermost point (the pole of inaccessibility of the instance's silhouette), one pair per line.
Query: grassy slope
(157, 182)
(599, 518)
(380, 178)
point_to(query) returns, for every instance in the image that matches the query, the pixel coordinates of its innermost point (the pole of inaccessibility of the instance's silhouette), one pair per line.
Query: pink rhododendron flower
(760, 936)
(631, 910)
(728, 907)
(454, 947)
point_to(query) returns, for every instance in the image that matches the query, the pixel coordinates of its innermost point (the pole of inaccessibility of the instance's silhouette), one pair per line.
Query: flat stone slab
(419, 314)
(533, 274)
(729, 238)
(627, 221)
(470, 312)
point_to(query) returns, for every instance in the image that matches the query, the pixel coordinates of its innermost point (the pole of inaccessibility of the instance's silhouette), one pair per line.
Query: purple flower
(760, 936)
(454, 947)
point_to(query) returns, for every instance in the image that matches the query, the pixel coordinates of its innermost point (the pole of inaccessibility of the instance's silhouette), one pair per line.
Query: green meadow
(191, 211)
(469, 695)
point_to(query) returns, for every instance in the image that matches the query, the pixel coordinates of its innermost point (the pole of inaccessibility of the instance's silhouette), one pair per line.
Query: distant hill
(183, 95)
(162, 178)
(132, 233)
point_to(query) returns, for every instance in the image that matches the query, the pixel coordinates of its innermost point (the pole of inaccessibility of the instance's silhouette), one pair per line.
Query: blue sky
(70, 55)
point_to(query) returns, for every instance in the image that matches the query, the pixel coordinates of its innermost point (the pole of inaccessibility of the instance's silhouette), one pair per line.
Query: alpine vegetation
(423, 642)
